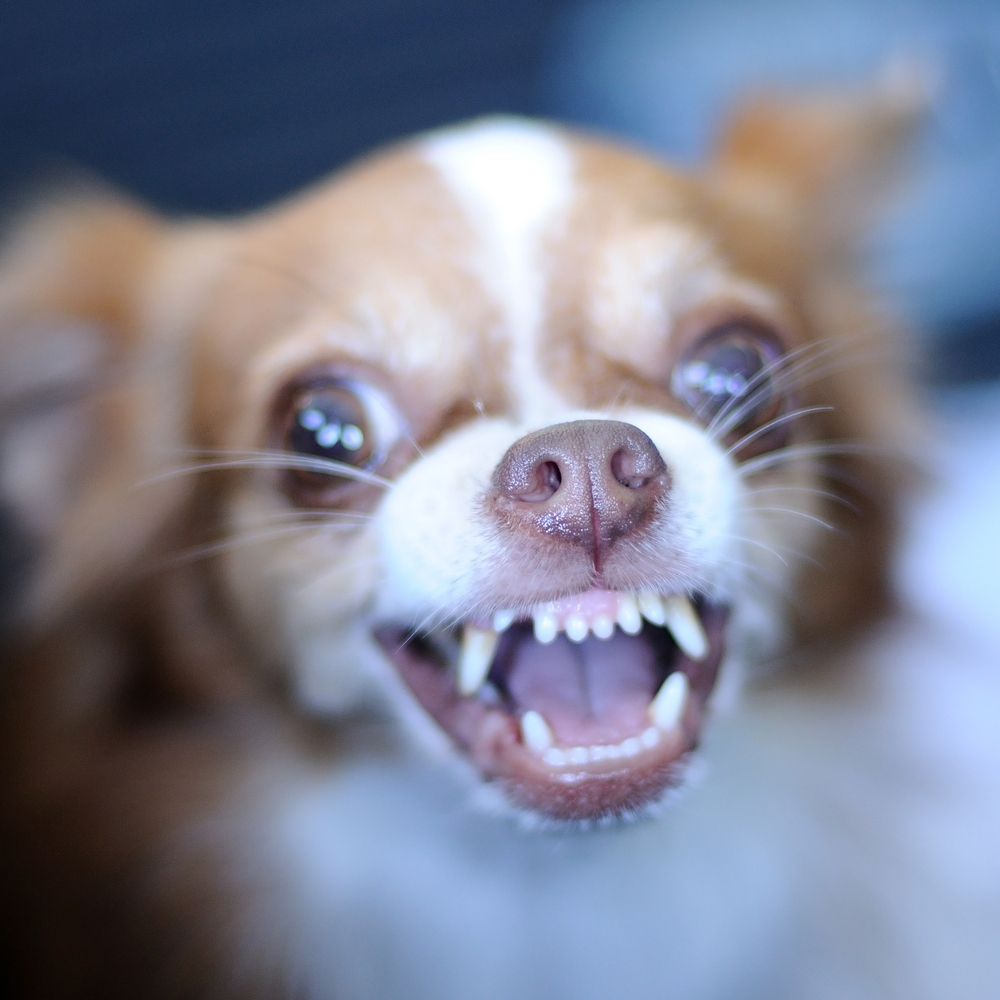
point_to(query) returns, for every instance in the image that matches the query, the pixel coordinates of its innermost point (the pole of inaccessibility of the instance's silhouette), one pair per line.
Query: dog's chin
(573, 727)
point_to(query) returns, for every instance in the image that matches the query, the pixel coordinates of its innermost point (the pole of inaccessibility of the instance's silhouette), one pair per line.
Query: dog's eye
(730, 378)
(343, 421)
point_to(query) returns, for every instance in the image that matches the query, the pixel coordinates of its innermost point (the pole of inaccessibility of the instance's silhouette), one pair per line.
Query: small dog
(507, 452)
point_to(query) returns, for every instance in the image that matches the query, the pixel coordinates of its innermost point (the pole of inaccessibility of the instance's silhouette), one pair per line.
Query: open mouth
(584, 707)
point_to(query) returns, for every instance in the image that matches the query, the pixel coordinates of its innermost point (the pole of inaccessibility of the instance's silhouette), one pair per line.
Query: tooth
(649, 737)
(554, 757)
(503, 620)
(535, 731)
(577, 628)
(685, 626)
(603, 627)
(628, 615)
(478, 647)
(630, 747)
(578, 755)
(667, 707)
(651, 607)
(546, 626)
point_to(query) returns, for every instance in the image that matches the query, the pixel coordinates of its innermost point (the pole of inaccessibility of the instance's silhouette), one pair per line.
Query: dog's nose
(587, 482)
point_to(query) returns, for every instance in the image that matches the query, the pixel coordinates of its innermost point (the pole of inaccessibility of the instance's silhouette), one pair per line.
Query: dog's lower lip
(569, 783)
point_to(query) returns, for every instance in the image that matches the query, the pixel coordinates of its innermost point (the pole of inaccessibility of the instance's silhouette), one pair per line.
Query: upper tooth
(546, 626)
(577, 628)
(652, 607)
(502, 620)
(535, 731)
(478, 647)
(685, 626)
(628, 615)
(668, 705)
(603, 627)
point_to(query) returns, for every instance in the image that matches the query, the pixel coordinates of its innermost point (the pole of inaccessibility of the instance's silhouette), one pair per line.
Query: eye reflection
(729, 375)
(341, 420)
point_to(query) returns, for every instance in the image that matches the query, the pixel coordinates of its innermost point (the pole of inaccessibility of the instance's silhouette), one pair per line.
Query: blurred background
(216, 106)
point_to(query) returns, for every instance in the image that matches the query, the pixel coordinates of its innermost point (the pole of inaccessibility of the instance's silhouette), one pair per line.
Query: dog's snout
(588, 482)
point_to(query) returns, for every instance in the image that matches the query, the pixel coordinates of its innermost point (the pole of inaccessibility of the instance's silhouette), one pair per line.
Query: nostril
(627, 469)
(547, 480)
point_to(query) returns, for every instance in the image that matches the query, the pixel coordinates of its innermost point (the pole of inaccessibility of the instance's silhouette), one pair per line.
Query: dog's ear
(802, 178)
(821, 163)
(91, 398)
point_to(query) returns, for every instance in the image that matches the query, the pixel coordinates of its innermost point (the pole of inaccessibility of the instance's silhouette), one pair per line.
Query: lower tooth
(535, 732)
(478, 647)
(667, 707)
(650, 737)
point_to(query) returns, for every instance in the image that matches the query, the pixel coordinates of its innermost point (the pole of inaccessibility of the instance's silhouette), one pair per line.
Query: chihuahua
(402, 550)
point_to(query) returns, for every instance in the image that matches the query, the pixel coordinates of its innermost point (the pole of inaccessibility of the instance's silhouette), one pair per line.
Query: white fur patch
(515, 180)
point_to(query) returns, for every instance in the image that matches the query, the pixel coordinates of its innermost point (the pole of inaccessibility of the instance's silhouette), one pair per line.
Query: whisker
(617, 403)
(818, 449)
(787, 366)
(768, 576)
(797, 488)
(808, 364)
(358, 561)
(227, 544)
(797, 513)
(771, 424)
(272, 460)
(760, 544)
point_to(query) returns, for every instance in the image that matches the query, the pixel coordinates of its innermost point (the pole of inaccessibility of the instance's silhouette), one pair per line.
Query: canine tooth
(535, 731)
(603, 627)
(685, 626)
(651, 607)
(628, 615)
(546, 626)
(577, 628)
(667, 707)
(478, 647)
(578, 755)
(503, 620)
(554, 757)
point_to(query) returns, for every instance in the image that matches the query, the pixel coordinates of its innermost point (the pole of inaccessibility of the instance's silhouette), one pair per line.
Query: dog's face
(531, 438)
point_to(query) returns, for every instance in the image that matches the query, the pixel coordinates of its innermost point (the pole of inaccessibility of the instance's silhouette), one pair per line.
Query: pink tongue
(597, 692)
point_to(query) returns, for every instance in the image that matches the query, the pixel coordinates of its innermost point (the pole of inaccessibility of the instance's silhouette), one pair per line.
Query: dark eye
(344, 421)
(730, 379)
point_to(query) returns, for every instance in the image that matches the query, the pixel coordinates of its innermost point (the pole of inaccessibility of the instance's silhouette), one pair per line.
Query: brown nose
(588, 482)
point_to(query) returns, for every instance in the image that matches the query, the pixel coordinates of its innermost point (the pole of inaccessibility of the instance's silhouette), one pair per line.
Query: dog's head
(519, 432)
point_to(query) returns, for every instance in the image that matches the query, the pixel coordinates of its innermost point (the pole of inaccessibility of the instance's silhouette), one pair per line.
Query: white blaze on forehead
(514, 179)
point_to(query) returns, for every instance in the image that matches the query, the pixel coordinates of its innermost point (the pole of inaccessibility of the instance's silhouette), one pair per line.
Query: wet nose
(588, 482)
